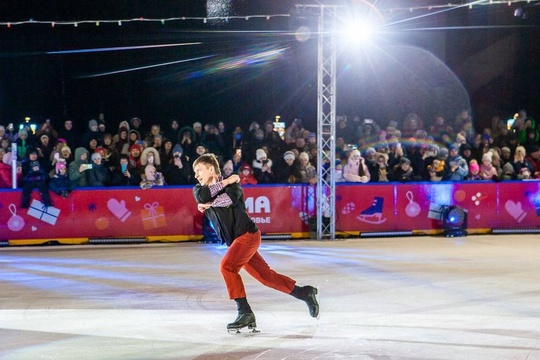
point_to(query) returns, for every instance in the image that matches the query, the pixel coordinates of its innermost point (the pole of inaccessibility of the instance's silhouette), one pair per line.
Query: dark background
(429, 61)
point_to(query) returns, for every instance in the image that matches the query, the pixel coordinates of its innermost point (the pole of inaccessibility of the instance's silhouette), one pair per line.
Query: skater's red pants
(243, 254)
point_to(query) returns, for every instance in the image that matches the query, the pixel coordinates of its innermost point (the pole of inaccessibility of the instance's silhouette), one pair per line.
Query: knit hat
(370, 150)
(508, 168)
(66, 148)
(96, 155)
(260, 154)
(487, 157)
(506, 149)
(289, 155)
(60, 165)
(464, 147)
(474, 167)
(303, 156)
(404, 160)
(443, 153)
(245, 167)
(355, 153)
(178, 149)
(31, 150)
(23, 131)
(91, 123)
(135, 146)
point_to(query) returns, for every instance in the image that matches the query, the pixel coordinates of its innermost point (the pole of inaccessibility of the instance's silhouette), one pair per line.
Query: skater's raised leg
(309, 295)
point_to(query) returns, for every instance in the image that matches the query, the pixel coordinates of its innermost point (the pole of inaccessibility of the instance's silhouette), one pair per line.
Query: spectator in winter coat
(34, 176)
(474, 170)
(151, 177)
(97, 175)
(356, 170)
(457, 170)
(92, 133)
(60, 183)
(487, 170)
(289, 171)
(246, 175)
(403, 172)
(176, 171)
(262, 168)
(78, 167)
(123, 174)
(308, 171)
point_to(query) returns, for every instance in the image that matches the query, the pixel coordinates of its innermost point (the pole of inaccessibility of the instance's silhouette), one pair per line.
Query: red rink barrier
(171, 211)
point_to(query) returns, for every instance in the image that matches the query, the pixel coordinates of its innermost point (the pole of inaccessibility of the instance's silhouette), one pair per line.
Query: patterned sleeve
(215, 188)
(222, 200)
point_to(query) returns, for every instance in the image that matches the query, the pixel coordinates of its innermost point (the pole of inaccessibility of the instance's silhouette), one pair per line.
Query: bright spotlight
(362, 32)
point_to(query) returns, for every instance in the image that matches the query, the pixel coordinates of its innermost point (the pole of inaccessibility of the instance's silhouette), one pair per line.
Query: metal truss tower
(325, 191)
(326, 124)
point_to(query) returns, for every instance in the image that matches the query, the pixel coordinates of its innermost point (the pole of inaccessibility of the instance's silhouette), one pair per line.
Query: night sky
(245, 70)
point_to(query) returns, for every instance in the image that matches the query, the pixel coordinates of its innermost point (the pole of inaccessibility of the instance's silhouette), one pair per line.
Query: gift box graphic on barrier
(49, 214)
(436, 211)
(153, 216)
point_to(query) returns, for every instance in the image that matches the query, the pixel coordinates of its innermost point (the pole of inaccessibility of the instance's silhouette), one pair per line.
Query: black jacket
(229, 222)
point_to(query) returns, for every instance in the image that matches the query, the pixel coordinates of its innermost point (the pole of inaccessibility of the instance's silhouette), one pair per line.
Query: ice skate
(242, 321)
(373, 214)
(310, 295)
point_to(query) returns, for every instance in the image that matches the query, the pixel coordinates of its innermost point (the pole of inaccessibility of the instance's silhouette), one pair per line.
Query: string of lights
(120, 22)
(164, 21)
(460, 5)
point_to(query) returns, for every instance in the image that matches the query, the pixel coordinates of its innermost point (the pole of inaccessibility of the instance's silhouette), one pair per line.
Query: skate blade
(252, 330)
(370, 220)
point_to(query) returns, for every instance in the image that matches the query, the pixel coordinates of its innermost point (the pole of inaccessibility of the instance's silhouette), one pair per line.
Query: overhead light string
(120, 22)
(205, 19)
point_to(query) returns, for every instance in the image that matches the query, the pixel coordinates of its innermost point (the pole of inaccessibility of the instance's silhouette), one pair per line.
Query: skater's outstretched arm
(220, 194)
(207, 193)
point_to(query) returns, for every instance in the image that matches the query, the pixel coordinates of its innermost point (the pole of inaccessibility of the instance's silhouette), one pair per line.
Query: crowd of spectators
(96, 155)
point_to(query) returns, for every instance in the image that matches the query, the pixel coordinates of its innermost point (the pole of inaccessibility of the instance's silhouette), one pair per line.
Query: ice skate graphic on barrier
(373, 214)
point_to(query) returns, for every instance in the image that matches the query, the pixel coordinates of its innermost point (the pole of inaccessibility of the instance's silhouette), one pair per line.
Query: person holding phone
(123, 174)
(78, 167)
(222, 200)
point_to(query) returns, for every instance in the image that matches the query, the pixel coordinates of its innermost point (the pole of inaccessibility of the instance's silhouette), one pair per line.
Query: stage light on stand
(454, 221)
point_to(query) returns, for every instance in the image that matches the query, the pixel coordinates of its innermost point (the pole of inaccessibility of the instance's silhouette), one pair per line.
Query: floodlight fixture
(454, 221)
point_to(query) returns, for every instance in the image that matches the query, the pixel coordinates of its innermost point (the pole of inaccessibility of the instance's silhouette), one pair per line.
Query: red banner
(172, 211)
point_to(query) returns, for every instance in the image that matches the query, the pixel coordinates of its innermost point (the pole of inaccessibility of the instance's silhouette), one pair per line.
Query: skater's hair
(208, 160)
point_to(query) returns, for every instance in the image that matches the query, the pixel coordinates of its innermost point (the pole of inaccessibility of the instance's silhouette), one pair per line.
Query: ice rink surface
(476, 297)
